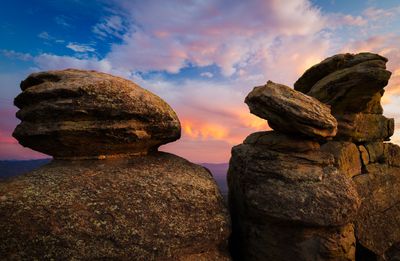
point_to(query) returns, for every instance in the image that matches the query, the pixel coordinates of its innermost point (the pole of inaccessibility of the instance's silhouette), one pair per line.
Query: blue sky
(200, 56)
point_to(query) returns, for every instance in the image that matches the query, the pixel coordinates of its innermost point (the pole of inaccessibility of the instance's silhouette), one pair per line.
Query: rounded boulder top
(87, 114)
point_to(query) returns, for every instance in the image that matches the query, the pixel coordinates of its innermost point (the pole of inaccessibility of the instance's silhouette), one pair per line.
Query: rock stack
(108, 193)
(323, 181)
(353, 86)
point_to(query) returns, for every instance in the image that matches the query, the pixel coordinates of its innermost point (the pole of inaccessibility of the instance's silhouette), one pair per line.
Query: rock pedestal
(298, 195)
(288, 200)
(108, 194)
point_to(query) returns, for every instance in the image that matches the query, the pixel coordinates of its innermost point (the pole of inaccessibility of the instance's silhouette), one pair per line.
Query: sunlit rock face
(108, 194)
(296, 196)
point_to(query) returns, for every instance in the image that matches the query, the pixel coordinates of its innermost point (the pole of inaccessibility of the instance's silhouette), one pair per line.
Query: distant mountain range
(11, 168)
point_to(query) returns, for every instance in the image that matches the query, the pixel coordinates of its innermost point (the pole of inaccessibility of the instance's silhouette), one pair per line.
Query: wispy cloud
(80, 48)
(207, 74)
(113, 26)
(62, 20)
(16, 55)
(46, 36)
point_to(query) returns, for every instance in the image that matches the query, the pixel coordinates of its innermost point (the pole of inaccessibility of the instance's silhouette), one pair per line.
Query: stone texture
(75, 113)
(362, 127)
(351, 89)
(330, 65)
(296, 187)
(374, 105)
(346, 155)
(155, 207)
(377, 225)
(376, 151)
(392, 154)
(297, 242)
(289, 205)
(274, 140)
(289, 111)
(363, 154)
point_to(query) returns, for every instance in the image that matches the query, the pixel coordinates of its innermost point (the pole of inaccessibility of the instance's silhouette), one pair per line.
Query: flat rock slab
(273, 140)
(289, 111)
(347, 82)
(154, 207)
(75, 113)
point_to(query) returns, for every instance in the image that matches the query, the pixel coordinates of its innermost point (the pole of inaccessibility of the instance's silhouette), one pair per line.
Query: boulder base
(156, 207)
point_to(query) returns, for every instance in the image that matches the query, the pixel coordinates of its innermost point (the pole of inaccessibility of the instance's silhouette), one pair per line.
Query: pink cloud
(170, 34)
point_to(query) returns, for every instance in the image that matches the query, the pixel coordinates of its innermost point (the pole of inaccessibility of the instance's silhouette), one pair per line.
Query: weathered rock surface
(294, 197)
(155, 207)
(274, 140)
(349, 83)
(75, 113)
(376, 151)
(351, 89)
(346, 155)
(336, 63)
(296, 187)
(297, 242)
(363, 127)
(392, 154)
(289, 111)
(289, 205)
(377, 225)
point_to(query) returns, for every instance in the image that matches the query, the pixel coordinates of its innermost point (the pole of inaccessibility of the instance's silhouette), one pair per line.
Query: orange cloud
(203, 130)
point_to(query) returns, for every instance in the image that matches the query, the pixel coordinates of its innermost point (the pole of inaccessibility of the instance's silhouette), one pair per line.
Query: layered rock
(108, 194)
(289, 111)
(288, 201)
(298, 195)
(353, 86)
(91, 114)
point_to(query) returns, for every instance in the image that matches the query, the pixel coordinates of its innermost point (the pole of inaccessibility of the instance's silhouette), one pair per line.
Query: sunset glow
(202, 57)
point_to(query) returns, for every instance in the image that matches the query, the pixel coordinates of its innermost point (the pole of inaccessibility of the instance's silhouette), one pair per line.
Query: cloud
(170, 35)
(250, 41)
(338, 20)
(81, 48)
(110, 26)
(373, 13)
(55, 62)
(16, 55)
(45, 35)
(61, 20)
(207, 74)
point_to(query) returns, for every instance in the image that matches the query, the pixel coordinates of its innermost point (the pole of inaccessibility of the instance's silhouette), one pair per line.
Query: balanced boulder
(108, 194)
(289, 111)
(91, 114)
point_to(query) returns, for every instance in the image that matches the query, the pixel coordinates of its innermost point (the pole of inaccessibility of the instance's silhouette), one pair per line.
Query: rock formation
(289, 111)
(359, 113)
(108, 194)
(88, 114)
(295, 195)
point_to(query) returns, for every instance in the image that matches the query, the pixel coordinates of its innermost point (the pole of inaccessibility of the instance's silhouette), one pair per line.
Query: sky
(201, 56)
